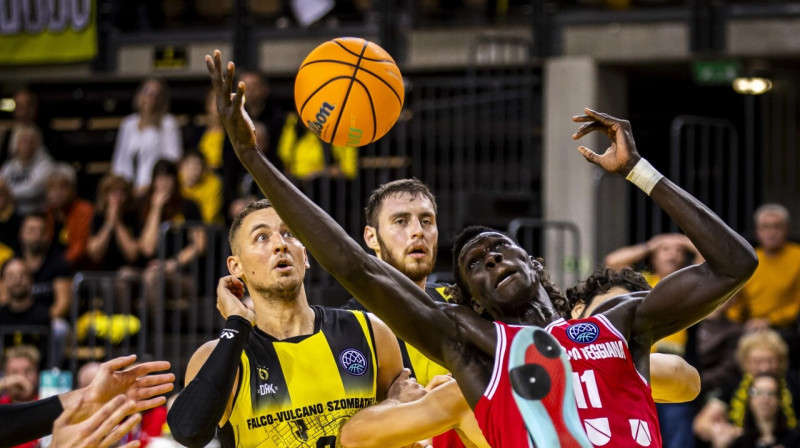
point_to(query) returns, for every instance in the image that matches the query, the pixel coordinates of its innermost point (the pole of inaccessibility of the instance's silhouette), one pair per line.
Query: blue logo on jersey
(354, 362)
(583, 333)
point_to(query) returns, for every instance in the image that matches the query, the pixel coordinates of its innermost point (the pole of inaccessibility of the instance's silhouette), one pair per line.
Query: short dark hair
(253, 206)
(601, 281)
(413, 187)
(460, 292)
(165, 167)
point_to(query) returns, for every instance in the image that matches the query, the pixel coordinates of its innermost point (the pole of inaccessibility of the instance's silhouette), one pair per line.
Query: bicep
(672, 379)
(387, 350)
(682, 299)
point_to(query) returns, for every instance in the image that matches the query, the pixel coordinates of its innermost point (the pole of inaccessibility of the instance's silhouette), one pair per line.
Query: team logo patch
(353, 361)
(583, 333)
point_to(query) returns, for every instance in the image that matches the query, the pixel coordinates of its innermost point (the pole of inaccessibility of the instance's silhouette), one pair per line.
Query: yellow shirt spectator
(773, 291)
(207, 193)
(303, 153)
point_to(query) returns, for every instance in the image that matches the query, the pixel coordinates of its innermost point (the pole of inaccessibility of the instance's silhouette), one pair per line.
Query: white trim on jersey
(499, 362)
(555, 323)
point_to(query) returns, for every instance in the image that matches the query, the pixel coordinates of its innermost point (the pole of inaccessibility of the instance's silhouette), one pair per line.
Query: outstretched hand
(101, 430)
(237, 122)
(136, 383)
(618, 158)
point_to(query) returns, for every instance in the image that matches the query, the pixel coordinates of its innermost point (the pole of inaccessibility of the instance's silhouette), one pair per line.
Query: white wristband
(644, 176)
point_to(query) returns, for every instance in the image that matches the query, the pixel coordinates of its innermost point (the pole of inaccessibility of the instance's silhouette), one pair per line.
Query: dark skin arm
(442, 333)
(685, 297)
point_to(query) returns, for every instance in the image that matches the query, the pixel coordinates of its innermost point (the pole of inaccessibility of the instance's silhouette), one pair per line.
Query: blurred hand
(100, 430)
(17, 386)
(230, 292)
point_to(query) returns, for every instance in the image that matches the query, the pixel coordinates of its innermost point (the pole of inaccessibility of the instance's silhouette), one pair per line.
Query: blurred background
(710, 87)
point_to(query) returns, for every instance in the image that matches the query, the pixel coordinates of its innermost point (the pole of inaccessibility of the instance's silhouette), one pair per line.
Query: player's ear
(535, 263)
(235, 267)
(577, 310)
(477, 307)
(305, 259)
(371, 238)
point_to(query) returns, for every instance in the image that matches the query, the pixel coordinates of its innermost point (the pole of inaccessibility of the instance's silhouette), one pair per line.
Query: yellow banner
(47, 31)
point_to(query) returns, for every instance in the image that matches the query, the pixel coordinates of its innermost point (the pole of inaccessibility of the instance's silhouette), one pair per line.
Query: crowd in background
(746, 352)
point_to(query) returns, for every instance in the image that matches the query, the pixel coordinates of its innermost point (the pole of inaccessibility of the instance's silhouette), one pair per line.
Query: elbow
(188, 433)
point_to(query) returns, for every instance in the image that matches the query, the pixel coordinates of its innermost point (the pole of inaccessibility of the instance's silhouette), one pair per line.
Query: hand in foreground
(237, 122)
(136, 383)
(230, 291)
(618, 158)
(100, 430)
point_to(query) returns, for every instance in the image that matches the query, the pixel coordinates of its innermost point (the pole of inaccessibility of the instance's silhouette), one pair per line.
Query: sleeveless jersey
(614, 401)
(422, 368)
(300, 391)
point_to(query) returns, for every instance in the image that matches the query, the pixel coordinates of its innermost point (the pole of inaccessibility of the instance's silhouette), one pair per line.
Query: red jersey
(527, 402)
(614, 400)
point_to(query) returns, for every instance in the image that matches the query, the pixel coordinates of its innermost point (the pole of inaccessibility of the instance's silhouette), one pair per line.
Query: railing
(557, 242)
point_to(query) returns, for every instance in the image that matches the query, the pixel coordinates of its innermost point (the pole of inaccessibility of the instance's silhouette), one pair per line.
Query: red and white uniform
(614, 401)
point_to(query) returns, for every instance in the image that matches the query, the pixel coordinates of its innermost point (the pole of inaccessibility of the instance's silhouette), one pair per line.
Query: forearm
(726, 252)
(626, 256)
(148, 241)
(63, 297)
(127, 243)
(199, 408)
(28, 421)
(97, 246)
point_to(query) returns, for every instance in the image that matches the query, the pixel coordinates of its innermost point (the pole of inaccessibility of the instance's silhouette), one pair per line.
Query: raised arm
(685, 297)
(400, 303)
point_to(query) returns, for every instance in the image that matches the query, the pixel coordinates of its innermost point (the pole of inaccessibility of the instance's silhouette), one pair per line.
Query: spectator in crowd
(153, 420)
(69, 218)
(163, 203)
(27, 169)
(113, 243)
(722, 417)
(20, 382)
(9, 223)
(765, 420)
(26, 107)
(213, 138)
(21, 309)
(148, 135)
(717, 338)
(52, 275)
(306, 157)
(201, 185)
(663, 255)
(771, 298)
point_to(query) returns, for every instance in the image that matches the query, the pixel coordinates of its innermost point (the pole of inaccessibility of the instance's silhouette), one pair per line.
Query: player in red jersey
(496, 276)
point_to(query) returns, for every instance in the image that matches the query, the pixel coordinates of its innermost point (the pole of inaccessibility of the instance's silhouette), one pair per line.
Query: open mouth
(283, 265)
(504, 277)
(417, 252)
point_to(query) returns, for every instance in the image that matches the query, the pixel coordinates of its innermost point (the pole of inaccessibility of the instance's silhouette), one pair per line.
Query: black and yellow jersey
(300, 391)
(422, 368)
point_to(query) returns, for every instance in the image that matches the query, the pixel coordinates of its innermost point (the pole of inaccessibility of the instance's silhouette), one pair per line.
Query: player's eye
(400, 221)
(287, 234)
(261, 237)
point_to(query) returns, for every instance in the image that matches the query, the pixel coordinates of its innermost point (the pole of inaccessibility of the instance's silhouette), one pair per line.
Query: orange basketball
(349, 91)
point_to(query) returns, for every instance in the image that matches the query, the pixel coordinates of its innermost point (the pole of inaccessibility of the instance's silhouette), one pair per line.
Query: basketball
(349, 91)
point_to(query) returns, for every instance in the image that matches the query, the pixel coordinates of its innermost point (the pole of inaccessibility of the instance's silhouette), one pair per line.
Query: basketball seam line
(317, 90)
(360, 68)
(347, 95)
(361, 57)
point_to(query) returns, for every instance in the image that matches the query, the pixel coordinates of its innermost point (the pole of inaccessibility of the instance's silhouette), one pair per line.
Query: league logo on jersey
(353, 361)
(583, 333)
(263, 373)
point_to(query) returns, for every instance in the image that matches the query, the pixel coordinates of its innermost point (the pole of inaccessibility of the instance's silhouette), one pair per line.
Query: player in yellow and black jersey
(286, 374)
(401, 229)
